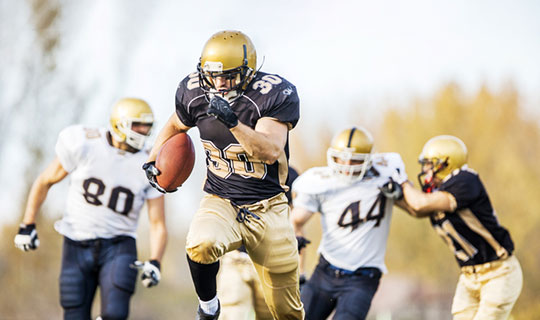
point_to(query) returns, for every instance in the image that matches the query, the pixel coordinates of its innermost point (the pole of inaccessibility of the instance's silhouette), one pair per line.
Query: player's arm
(299, 217)
(158, 229)
(173, 126)
(420, 204)
(27, 237)
(151, 269)
(266, 142)
(53, 174)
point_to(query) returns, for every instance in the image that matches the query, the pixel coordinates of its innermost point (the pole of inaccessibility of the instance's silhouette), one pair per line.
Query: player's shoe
(201, 315)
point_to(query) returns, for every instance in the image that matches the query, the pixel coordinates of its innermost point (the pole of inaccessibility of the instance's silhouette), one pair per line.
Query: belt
(370, 272)
(484, 267)
(97, 241)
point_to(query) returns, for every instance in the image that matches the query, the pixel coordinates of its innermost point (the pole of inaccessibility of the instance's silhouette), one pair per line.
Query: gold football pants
(488, 291)
(264, 229)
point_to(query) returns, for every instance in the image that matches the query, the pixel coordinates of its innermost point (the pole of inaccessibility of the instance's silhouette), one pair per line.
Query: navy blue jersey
(472, 231)
(232, 173)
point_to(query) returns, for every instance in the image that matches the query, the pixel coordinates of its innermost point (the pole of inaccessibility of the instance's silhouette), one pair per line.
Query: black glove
(221, 109)
(392, 190)
(302, 242)
(151, 173)
(302, 281)
(151, 273)
(27, 238)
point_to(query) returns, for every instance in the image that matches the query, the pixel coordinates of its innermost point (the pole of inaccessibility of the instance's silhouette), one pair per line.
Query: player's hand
(150, 272)
(302, 281)
(221, 109)
(302, 242)
(392, 190)
(400, 176)
(27, 238)
(151, 174)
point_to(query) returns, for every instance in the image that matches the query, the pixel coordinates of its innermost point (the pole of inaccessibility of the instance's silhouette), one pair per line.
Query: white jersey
(107, 187)
(355, 215)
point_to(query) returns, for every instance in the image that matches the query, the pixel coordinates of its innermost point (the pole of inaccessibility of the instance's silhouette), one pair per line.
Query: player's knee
(289, 311)
(204, 251)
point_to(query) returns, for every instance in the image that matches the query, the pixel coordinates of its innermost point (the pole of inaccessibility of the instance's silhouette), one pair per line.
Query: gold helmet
(125, 113)
(231, 55)
(349, 154)
(445, 153)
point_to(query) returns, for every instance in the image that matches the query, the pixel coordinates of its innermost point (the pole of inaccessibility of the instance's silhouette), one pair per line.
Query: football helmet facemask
(440, 156)
(227, 64)
(349, 154)
(126, 112)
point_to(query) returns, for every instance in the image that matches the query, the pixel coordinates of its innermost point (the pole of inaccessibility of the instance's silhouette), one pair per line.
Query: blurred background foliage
(504, 145)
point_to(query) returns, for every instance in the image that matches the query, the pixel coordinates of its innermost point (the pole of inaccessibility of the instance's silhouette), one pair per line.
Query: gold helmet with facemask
(230, 55)
(125, 113)
(444, 154)
(349, 154)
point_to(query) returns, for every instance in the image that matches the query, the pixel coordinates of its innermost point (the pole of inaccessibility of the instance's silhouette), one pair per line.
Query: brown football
(175, 161)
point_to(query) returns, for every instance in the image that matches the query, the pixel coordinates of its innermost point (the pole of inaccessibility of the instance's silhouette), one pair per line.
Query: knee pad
(204, 251)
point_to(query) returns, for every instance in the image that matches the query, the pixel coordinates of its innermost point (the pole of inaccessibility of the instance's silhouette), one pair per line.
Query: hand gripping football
(175, 161)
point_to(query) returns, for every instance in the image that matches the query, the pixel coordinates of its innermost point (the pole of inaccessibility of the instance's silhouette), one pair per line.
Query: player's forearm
(38, 194)
(158, 241)
(257, 144)
(416, 201)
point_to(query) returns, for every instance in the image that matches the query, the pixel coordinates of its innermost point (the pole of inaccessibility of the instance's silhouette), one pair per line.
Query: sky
(343, 56)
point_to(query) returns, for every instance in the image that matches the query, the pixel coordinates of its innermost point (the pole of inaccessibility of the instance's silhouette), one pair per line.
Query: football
(175, 161)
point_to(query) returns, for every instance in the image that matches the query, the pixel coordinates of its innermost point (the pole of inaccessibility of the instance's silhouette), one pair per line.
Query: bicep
(54, 173)
(273, 129)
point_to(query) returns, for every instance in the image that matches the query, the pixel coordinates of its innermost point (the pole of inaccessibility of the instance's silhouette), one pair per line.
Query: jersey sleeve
(307, 201)
(152, 193)
(465, 187)
(286, 107)
(306, 189)
(69, 147)
(182, 106)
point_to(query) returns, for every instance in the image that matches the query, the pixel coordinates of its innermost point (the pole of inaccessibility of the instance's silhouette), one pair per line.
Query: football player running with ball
(106, 193)
(243, 116)
(355, 196)
(459, 209)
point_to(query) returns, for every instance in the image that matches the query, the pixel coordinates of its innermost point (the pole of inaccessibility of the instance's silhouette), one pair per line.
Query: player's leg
(271, 244)
(78, 281)
(262, 312)
(501, 291)
(234, 286)
(116, 278)
(317, 295)
(212, 233)
(356, 294)
(467, 297)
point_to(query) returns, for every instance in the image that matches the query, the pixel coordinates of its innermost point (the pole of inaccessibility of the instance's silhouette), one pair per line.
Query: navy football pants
(100, 262)
(349, 295)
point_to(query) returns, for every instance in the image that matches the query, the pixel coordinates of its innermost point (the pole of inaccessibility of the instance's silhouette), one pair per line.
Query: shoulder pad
(315, 180)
